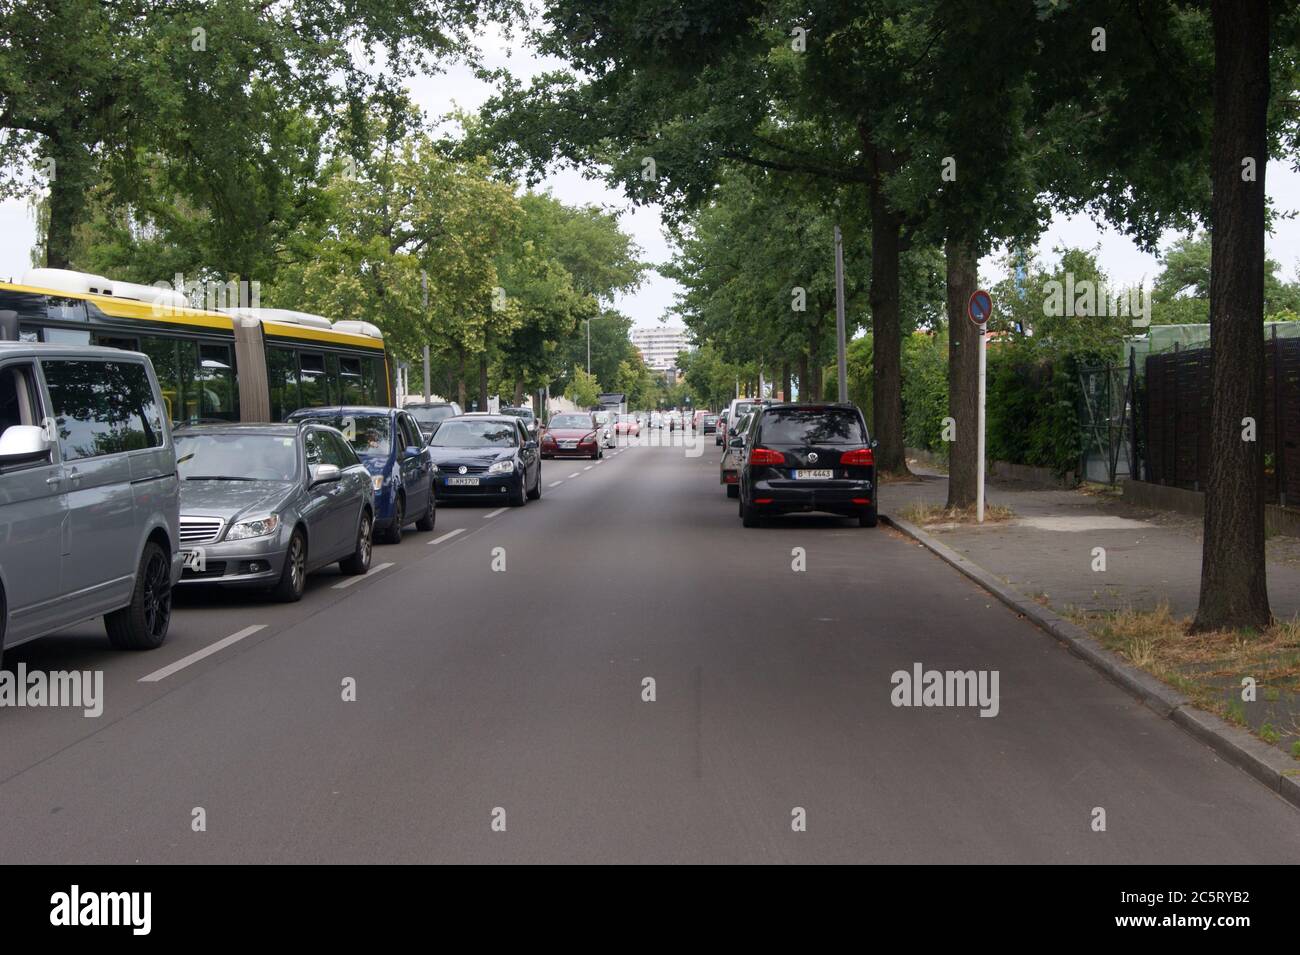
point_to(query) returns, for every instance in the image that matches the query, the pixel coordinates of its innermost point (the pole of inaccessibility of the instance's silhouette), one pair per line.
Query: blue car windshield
(367, 433)
(475, 434)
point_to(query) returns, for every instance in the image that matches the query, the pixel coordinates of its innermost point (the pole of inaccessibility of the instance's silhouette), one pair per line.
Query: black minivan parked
(808, 457)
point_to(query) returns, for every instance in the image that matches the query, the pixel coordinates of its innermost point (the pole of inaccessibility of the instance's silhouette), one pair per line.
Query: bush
(925, 391)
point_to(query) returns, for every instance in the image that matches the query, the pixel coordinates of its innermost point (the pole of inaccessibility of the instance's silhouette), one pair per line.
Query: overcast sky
(438, 94)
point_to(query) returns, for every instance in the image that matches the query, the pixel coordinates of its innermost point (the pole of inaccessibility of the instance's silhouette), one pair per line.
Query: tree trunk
(461, 390)
(886, 332)
(67, 203)
(1234, 592)
(803, 377)
(814, 363)
(785, 381)
(963, 371)
(483, 381)
(519, 392)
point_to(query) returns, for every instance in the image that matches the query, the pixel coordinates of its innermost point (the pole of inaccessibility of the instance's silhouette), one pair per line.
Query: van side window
(102, 407)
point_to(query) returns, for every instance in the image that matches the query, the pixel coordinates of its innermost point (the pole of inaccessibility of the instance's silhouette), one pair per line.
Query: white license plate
(822, 475)
(568, 444)
(192, 559)
(463, 481)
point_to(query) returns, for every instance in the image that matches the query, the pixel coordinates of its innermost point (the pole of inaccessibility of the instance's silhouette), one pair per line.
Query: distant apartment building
(659, 345)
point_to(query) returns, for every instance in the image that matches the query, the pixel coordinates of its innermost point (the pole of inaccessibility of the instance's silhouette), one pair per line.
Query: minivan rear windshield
(367, 433)
(812, 426)
(427, 416)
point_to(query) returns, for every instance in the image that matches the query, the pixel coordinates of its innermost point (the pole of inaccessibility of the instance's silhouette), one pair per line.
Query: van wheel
(426, 522)
(358, 562)
(142, 624)
(293, 579)
(536, 492)
(749, 517)
(867, 517)
(393, 535)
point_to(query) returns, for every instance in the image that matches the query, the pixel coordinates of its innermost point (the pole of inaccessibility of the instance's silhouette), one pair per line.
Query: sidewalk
(1152, 558)
(1046, 549)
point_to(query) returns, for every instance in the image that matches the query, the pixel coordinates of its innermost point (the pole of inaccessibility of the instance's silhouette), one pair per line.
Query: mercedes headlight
(257, 527)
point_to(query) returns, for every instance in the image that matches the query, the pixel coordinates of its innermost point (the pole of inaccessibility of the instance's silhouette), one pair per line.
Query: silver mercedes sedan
(264, 505)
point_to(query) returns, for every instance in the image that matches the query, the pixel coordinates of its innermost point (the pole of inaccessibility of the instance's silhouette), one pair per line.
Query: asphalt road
(521, 690)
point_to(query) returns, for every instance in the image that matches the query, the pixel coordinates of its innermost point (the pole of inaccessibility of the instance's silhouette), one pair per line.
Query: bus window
(282, 375)
(65, 336)
(215, 381)
(126, 344)
(376, 380)
(352, 384)
(312, 380)
(162, 352)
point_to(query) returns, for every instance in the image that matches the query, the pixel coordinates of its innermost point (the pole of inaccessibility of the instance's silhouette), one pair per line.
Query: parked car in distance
(89, 505)
(813, 457)
(721, 432)
(487, 456)
(657, 420)
(739, 407)
(733, 456)
(572, 435)
(628, 424)
(395, 452)
(429, 414)
(264, 505)
(526, 415)
(605, 426)
(709, 424)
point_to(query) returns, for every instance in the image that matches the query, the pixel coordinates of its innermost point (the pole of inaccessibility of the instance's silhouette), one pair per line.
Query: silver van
(89, 498)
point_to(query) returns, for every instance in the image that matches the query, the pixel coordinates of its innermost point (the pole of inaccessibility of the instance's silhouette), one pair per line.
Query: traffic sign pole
(979, 441)
(979, 308)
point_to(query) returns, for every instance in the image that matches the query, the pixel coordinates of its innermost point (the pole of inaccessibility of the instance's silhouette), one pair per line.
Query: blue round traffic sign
(980, 307)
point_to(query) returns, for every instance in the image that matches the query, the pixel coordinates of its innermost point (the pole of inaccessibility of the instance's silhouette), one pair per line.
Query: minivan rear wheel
(867, 517)
(393, 535)
(426, 522)
(142, 624)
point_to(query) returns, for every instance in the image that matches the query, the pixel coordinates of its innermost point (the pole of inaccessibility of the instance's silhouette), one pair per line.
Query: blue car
(395, 452)
(487, 457)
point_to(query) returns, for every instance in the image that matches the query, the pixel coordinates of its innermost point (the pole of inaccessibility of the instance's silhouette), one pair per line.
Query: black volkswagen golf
(809, 457)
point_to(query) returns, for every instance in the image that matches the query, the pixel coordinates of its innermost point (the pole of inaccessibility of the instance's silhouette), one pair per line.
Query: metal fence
(1176, 409)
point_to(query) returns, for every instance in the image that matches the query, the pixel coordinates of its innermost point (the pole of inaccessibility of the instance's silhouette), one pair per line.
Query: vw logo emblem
(812, 457)
(463, 469)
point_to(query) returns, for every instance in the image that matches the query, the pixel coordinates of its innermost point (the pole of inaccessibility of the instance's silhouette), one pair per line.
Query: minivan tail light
(859, 458)
(765, 458)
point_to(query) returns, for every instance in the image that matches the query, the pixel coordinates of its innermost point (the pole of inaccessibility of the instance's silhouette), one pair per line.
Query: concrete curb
(1266, 763)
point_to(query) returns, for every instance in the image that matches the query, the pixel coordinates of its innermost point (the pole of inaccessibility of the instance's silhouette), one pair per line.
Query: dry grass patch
(1201, 664)
(928, 514)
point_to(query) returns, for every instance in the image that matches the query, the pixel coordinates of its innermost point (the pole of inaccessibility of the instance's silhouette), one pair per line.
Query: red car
(628, 424)
(572, 435)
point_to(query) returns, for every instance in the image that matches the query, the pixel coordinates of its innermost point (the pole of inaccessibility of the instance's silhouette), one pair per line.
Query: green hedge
(1032, 403)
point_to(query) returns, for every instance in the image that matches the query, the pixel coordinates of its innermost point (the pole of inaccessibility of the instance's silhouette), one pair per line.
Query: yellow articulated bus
(241, 364)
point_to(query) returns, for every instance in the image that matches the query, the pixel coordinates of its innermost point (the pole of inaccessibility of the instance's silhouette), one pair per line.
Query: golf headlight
(502, 467)
(257, 527)
(378, 482)
(434, 467)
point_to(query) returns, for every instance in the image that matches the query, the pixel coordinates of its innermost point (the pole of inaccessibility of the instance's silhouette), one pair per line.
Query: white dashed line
(198, 655)
(576, 474)
(555, 483)
(587, 468)
(499, 510)
(356, 580)
(447, 536)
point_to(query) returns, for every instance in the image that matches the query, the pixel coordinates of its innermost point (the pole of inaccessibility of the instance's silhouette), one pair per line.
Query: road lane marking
(588, 467)
(499, 510)
(371, 572)
(576, 474)
(556, 483)
(198, 655)
(447, 536)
